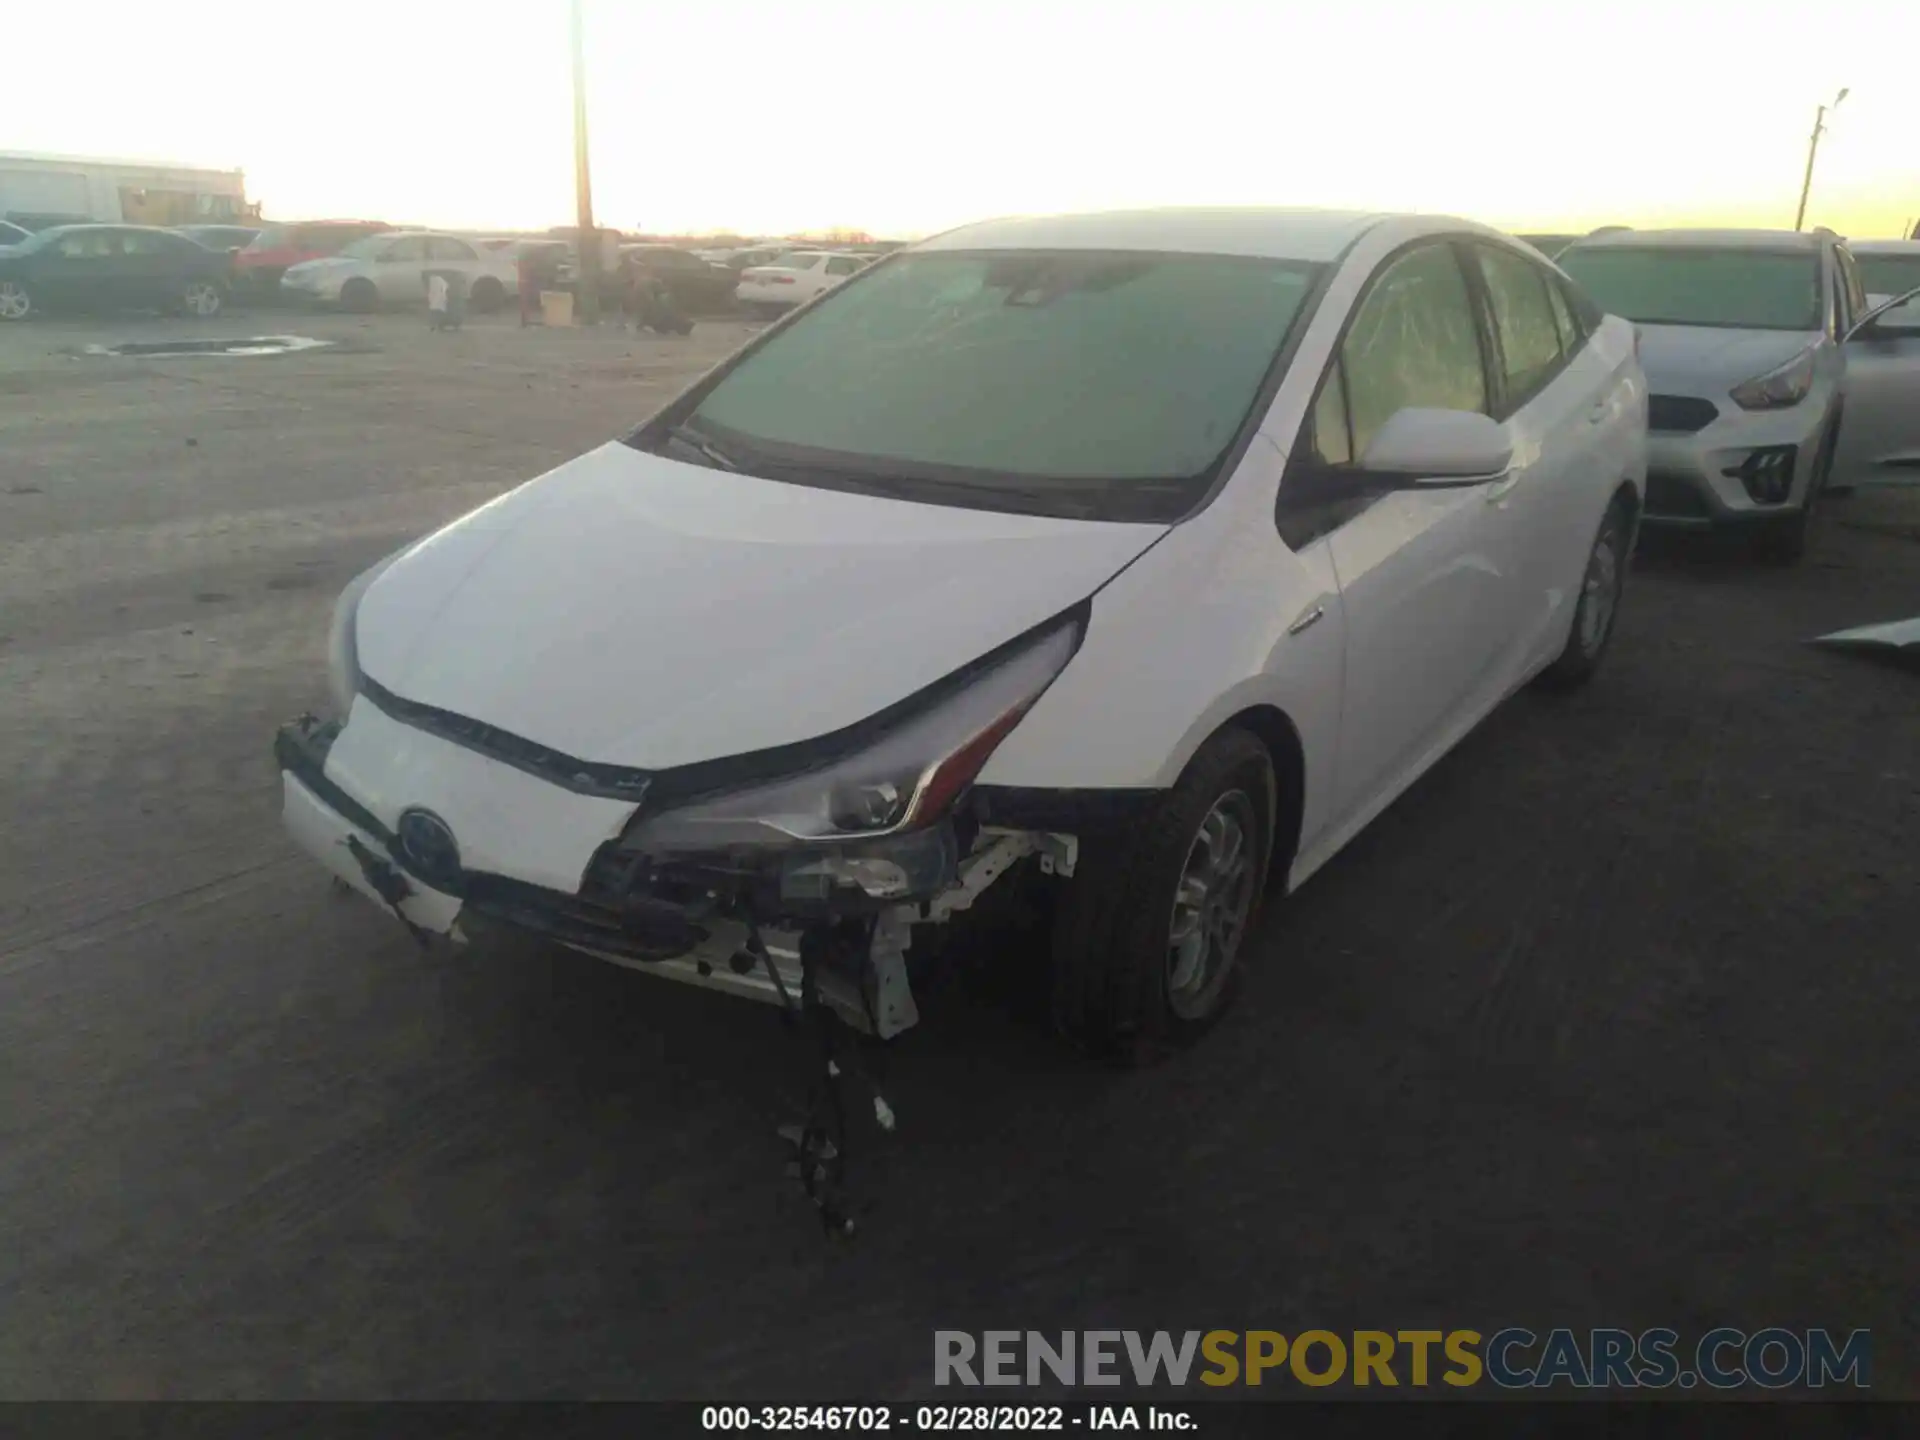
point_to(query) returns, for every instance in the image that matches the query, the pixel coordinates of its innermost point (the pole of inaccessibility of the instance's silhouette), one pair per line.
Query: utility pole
(1813, 146)
(588, 237)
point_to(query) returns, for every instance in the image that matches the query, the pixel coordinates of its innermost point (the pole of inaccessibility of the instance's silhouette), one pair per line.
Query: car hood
(1680, 357)
(633, 610)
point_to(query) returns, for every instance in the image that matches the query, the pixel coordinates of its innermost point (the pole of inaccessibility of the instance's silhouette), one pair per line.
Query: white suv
(1160, 551)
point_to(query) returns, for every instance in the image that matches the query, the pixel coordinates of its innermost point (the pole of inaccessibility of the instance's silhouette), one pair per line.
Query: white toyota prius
(1156, 551)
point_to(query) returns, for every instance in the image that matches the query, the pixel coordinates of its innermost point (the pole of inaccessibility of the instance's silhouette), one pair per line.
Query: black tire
(1589, 638)
(1784, 541)
(359, 296)
(488, 295)
(1115, 965)
(16, 301)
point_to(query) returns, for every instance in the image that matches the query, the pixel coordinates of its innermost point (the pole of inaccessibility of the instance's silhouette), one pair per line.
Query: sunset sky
(906, 117)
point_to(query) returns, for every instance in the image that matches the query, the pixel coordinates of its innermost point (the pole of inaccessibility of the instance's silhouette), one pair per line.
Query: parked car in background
(111, 267)
(797, 278)
(1883, 369)
(1747, 337)
(1548, 245)
(696, 286)
(390, 269)
(12, 234)
(1217, 532)
(227, 239)
(277, 248)
(738, 260)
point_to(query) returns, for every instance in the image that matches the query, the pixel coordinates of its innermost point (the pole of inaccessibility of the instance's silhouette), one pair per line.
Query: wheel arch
(1276, 731)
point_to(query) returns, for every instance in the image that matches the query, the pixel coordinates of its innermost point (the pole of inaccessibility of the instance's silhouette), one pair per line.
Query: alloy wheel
(203, 299)
(15, 303)
(1600, 588)
(1211, 905)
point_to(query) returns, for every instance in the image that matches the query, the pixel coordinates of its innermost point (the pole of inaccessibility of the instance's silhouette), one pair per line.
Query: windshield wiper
(696, 440)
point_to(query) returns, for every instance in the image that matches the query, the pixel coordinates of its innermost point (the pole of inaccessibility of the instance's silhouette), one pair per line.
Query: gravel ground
(1608, 1022)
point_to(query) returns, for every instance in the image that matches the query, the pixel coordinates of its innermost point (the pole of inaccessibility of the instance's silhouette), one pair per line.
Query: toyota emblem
(428, 845)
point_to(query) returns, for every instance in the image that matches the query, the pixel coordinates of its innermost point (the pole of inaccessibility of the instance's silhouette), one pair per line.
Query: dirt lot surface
(1609, 1022)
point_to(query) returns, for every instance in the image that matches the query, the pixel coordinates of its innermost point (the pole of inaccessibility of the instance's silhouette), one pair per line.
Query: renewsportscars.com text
(1511, 1358)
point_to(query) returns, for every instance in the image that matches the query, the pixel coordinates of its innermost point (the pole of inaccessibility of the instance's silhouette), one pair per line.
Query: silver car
(1883, 370)
(1744, 335)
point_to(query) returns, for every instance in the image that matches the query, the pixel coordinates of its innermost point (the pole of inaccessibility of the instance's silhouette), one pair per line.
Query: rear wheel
(202, 299)
(16, 302)
(1601, 585)
(488, 295)
(1150, 933)
(359, 296)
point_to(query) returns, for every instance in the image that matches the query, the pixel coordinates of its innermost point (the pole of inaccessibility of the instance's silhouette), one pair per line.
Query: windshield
(1733, 289)
(1079, 383)
(1889, 275)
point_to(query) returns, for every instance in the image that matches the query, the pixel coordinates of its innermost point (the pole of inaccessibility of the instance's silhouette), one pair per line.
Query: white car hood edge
(632, 610)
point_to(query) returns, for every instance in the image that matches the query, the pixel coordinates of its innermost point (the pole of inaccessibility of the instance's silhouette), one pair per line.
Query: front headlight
(343, 651)
(903, 782)
(1777, 389)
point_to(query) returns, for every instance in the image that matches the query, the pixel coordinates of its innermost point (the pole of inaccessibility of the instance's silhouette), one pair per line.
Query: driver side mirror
(1439, 447)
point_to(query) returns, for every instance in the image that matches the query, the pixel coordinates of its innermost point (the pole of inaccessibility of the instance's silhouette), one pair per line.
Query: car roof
(1884, 247)
(1696, 239)
(1268, 233)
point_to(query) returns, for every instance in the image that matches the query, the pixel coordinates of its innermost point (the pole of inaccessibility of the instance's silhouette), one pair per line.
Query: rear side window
(1414, 342)
(1523, 320)
(841, 266)
(801, 262)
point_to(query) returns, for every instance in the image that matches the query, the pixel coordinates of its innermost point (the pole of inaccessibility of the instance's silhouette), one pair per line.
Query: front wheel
(16, 302)
(359, 297)
(488, 295)
(1601, 584)
(202, 299)
(1150, 934)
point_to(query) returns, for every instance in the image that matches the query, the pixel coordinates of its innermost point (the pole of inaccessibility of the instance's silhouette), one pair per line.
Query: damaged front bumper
(699, 939)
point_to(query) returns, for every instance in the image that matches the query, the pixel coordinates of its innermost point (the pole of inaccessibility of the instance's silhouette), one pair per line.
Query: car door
(400, 272)
(1880, 425)
(153, 270)
(82, 268)
(1556, 397)
(1427, 574)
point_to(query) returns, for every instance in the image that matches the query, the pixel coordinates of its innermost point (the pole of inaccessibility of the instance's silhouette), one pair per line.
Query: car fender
(1216, 618)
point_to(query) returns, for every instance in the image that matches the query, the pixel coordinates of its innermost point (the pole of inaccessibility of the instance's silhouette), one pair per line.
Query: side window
(412, 248)
(1331, 439)
(1414, 342)
(1523, 317)
(442, 247)
(840, 266)
(1563, 321)
(89, 245)
(1856, 287)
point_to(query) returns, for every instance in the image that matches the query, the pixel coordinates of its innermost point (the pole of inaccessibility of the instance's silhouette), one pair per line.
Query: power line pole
(1813, 147)
(588, 238)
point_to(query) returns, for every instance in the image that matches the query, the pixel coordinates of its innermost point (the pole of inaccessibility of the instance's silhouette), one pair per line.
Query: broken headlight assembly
(1777, 389)
(872, 821)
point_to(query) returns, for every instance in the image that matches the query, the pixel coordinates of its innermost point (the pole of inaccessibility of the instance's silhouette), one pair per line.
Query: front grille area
(1680, 414)
(1670, 495)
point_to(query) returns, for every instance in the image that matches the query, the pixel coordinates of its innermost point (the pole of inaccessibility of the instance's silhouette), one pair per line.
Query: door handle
(1600, 412)
(1314, 614)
